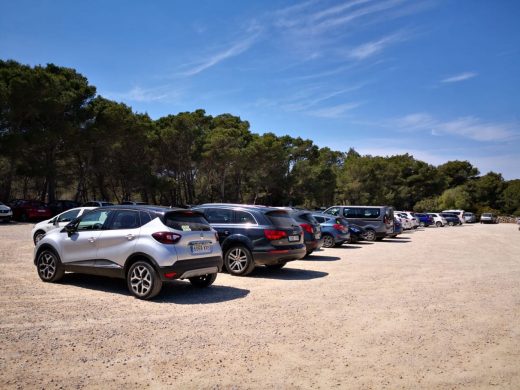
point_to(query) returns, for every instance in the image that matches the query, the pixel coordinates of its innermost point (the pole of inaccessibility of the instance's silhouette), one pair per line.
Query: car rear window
(280, 218)
(187, 221)
(308, 217)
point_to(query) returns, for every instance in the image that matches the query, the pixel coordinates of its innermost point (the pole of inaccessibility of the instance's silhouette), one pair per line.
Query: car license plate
(41, 211)
(317, 236)
(200, 247)
(294, 238)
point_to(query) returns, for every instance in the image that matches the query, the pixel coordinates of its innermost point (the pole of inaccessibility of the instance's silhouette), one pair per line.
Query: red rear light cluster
(167, 237)
(340, 228)
(306, 227)
(272, 235)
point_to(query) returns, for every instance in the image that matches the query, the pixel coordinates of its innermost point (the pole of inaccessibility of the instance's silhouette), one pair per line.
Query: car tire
(422, 224)
(438, 224)
(48, 265)
(38, 236)
(276, 266)
(203, 280)
(239, 261)
(451, 223)
(328, 241)
(370, 235)
(307, 254)
(143, 281)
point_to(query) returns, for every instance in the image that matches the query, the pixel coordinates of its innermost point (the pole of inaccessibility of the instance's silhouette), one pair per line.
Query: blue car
(452, 219)
(357, 233)
(424, 219)
(334, 230)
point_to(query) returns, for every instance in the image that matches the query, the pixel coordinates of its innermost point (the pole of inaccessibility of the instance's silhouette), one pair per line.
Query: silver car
(145, 245)
(5, 213)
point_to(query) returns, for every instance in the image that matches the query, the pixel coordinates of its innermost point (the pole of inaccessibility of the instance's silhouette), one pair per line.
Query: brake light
(339, 228)
(167, 237)
(272, 235)
(306, 227)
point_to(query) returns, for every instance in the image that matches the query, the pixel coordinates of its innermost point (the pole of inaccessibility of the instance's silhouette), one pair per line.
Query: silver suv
(145, 245)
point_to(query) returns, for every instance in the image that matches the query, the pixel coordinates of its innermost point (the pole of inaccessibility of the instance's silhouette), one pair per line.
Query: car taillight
(272, 235)
(339, 228)
(166, 237)
(306, 227)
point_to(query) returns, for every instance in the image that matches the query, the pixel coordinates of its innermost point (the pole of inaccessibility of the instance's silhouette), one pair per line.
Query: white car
(438, 219)
(411, 217)
(405, 221)
(40, 229)
(5, 213)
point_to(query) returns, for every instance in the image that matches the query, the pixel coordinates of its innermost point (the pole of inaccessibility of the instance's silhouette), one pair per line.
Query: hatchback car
(438, 219)
(334, 230)
(378, 221)
(425, 220)
(147, 246)
(451, 219)
(40, 229)
(25, 210)
(5, 213)
(469, 217)
(252, 235)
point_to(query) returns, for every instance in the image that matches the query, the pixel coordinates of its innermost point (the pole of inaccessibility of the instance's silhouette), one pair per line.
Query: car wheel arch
(140, 256)
(236, 239)
(42, 248)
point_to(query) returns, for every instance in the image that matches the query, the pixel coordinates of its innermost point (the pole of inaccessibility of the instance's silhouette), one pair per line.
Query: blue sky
(438, 79)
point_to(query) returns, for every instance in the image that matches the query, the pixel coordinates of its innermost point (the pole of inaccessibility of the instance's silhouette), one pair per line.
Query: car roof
(351, 205)
(241, 206)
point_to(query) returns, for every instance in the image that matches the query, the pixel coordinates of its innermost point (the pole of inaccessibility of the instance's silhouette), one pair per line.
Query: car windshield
(486, 215)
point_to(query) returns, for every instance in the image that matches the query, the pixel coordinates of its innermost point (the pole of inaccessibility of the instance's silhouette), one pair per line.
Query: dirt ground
(437, 308)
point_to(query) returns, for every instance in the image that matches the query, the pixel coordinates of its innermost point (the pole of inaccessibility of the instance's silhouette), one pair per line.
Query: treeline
(60, 140)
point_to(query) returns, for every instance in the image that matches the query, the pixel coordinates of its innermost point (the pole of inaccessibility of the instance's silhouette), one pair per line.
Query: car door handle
(130, 237)
(226, 232)
(92, 239)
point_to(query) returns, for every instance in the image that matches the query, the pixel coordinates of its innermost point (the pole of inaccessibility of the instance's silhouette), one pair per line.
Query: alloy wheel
(141, 280)
(237, 260)
(47, 265)
(328, 241)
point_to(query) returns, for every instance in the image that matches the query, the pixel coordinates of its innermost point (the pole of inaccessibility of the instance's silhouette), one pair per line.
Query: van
(378, 221)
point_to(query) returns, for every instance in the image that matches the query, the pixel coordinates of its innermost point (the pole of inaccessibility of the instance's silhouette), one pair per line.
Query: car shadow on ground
(399, 238)
(349, 246)
(395, 241)
(286, 273)
(179, 291)
(320, 257)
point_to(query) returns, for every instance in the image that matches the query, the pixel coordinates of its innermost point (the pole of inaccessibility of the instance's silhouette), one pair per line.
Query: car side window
(68, 216)
(243, 217)
(371, 213)
(145, 217)
(218, 215)
(93, 220)
(333, 211)
(124, 219)
(319, 219)
(351, 213)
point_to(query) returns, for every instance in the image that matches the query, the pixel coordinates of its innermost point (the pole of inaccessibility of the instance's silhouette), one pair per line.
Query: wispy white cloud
(213, 59)
(375, 47)
(336, 111)
(467, 127)
(305, 100)
(139, 94)
(459, 77)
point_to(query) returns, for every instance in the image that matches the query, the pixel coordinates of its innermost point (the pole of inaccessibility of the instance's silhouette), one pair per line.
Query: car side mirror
(54, 221)
(71, 227)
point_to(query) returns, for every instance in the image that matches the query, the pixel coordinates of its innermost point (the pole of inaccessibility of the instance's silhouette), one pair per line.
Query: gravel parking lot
(436, 308)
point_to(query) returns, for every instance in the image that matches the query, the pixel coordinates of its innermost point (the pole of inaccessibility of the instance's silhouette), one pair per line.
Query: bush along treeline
(60, 140)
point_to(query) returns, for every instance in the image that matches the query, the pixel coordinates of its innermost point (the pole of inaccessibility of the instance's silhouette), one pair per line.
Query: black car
(311, 229)
(253, 235)
(59, 206)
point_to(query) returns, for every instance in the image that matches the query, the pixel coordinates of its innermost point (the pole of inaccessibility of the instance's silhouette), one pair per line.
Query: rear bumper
(183, 269)
(313, 245)
(277, 256)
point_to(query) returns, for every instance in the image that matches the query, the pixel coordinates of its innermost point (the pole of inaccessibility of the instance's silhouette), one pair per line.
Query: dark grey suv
(253, 235)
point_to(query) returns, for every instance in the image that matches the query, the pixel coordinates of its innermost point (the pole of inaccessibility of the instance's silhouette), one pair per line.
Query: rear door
(221, 220)
(117, 241)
